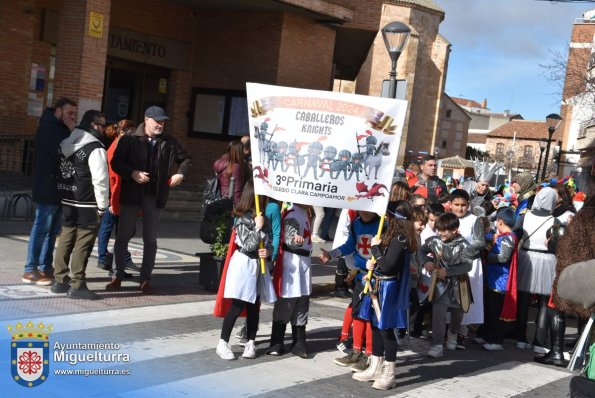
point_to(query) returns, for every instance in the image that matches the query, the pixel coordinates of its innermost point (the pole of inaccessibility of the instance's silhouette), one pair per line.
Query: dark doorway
(131, 87)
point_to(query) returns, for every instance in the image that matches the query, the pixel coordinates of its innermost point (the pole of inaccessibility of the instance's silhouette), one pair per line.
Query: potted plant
(219, 248)
(211, 264)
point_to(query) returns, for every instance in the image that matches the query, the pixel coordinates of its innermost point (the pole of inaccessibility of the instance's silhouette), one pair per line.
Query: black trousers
(493, 329)
(234, 312)
(384, 343)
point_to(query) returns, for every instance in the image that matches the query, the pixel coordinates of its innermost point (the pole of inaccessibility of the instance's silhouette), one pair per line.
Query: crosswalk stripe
(504, 380)
(268, 375)
(126, 316)
(331, 302)
(273, 375)
(193, 342)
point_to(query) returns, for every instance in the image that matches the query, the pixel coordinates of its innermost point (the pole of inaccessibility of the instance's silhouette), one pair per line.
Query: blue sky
(497, 47)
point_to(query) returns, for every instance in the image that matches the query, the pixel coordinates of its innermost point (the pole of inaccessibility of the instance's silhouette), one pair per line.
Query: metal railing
(17, 157)
(17, 153)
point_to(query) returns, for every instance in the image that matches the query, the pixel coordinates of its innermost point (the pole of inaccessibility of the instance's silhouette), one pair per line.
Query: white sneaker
(493, 347)
(249, 350)
(451, 341)
(317, 239)
(522, 345)
(224, 350)
(540, 350)
(479, 340)
(436, 351)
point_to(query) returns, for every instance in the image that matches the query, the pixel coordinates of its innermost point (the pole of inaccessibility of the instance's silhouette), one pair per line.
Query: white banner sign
(324, 148)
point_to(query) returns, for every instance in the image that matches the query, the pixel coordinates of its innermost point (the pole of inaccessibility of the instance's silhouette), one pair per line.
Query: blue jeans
(108, 222)
(47, 224)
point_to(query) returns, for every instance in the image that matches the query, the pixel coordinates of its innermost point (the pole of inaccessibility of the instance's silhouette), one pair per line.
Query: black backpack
(212, 190)
(216, 211)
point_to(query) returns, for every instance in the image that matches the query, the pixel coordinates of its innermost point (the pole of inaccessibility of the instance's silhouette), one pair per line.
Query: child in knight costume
(452, 260)
(391, 290)
(501, 294)
(293, 282)
(361, 231)
(472, 229)
(242, 282)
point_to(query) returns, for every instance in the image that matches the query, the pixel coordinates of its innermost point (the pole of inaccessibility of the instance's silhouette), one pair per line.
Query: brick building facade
(578, 146)
(191, 57)
(520, 139)
(423, 64)
(452, 136)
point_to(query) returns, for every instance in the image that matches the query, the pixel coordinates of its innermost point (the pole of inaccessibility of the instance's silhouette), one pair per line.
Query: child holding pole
(391, 273)
(243, 281)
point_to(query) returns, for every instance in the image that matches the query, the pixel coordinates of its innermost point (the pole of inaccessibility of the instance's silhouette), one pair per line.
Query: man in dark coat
(145, 160)
(54, 126)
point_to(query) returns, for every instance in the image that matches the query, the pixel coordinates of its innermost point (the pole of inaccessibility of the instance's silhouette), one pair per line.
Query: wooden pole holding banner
(367, 287)
(257, 206)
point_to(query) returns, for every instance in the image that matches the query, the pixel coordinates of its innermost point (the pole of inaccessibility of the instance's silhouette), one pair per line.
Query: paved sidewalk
(175, 278)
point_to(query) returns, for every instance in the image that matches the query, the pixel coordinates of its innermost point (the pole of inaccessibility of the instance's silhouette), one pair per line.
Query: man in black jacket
(54, 126)
(145, 161)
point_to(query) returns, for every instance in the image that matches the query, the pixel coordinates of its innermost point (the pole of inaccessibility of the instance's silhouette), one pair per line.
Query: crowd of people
(92, 178)
(455, 261)
(464, 262)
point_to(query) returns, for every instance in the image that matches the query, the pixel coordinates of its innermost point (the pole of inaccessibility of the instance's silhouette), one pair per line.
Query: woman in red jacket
(110, 217)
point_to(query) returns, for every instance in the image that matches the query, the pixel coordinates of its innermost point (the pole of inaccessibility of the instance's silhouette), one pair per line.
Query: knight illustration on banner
(323, 149)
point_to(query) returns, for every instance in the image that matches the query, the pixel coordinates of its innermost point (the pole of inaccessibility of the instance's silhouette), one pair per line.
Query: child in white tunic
(293, 282)
(471, 228)
(245, 284)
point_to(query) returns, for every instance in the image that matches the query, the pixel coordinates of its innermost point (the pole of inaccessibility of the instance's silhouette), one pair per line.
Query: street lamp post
(552, 121)
(542, 144)
(395, 35)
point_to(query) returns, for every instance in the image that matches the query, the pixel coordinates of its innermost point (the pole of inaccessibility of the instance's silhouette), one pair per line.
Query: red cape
(508, 313)
(222, 304)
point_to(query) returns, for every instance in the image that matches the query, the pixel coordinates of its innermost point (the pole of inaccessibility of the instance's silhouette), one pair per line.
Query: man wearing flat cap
(149, 161)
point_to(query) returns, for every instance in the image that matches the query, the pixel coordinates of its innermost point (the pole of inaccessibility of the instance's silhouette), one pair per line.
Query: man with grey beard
(145, 160)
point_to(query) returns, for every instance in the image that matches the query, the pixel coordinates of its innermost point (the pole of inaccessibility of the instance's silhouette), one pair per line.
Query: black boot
(542, 323)
(341, 288)
(293, 336)
(556, 354)
(300, 348)
(277, 337)
(523, 303)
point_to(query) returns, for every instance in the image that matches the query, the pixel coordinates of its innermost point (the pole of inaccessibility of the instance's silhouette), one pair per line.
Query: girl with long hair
(391, 271)
(231, 164)
(244, 283)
